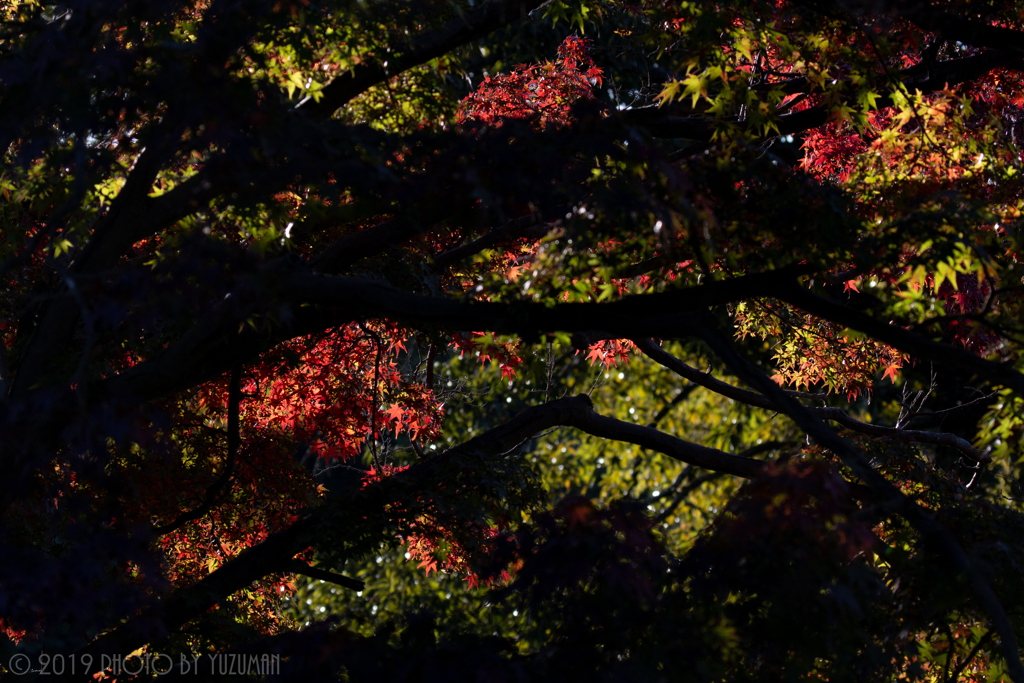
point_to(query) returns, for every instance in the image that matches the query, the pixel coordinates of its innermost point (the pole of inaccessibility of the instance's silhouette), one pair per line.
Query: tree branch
(331, 522)
(683, 394)
(963, 30)
(659, 355)
(646, 437)
(970, 655)
(664, 314)
(214, 490)
(61, 314)
(354, 247)
(664, 310)
(514, 228)
(892, 497)
(917, 345)
(300, 567)
(215, 343)
(473, 24)
(683, 492)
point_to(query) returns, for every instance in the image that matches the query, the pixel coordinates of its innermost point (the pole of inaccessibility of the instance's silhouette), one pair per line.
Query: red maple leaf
(892, 372)
(396, 412)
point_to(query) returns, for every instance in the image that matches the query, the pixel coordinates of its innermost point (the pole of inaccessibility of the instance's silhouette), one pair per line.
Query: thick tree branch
(300, 567)
(665, 310)
(684, 451)
(61, 315)
(958, 28)
(630, 317)
(329, 523)
(215, 345)
(133, 215)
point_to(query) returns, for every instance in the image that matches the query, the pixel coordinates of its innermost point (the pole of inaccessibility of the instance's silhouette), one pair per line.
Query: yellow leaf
(668, 93)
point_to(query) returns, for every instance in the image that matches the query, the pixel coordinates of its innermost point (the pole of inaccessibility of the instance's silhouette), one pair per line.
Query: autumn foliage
(688, 346)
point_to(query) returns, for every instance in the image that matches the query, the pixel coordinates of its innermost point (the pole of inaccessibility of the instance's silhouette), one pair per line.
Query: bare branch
(970, 655)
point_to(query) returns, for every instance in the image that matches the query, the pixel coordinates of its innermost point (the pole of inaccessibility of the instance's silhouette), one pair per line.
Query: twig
(551, 370)
(373, 406)
(431, 353)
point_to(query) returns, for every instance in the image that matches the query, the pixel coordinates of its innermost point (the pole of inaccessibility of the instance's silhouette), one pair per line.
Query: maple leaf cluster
(319, 397)
(610, 352)
(329, 393)
(966, 299)
(541, 93)
(486, 347)
(811, 351)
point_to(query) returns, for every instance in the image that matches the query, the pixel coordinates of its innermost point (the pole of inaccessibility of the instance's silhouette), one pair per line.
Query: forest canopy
(512, 340)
